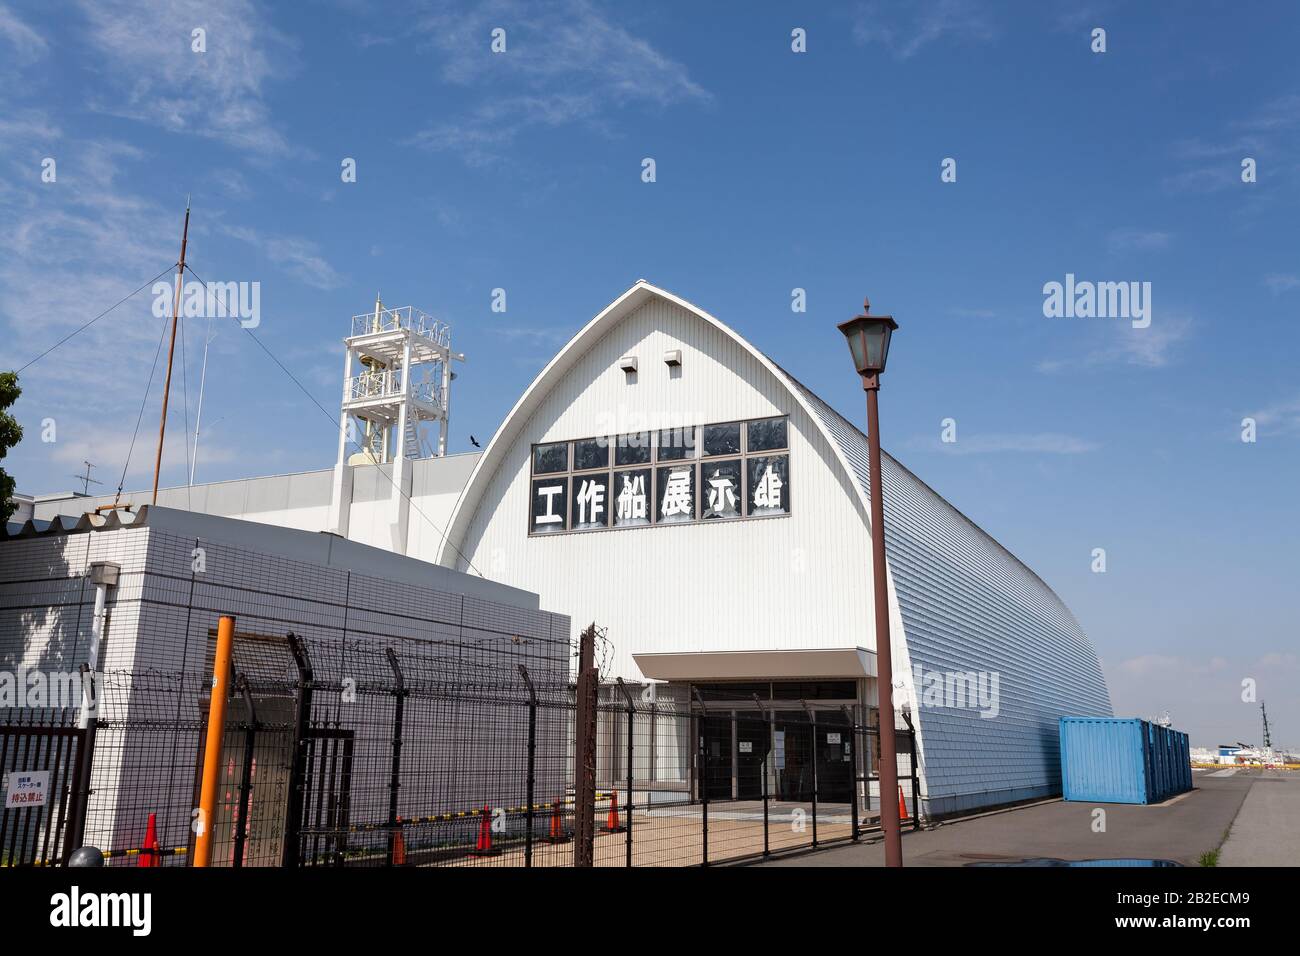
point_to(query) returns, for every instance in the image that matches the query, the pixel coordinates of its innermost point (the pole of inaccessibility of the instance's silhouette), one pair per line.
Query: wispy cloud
(1136, 240)
(21, 39)
(298, 257)
(1279, 282)
(566, 62)
(156, 78)
(1282, 417)
(994, 443)
(905, 27)
(1118, 343)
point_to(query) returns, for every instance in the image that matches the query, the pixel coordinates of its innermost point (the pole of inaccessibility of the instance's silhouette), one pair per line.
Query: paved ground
(1267, 830)
(1180, 829)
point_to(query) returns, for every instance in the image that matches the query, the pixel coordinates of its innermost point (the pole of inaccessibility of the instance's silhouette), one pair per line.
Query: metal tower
(1268, 738)
(396, 388)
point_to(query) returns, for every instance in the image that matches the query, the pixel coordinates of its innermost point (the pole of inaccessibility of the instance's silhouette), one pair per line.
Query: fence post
(704, 776)
(628, 815)
(81, 770)
(853, 769)
(246, 782)
(395, 778)
(762, 716)
(812, 726)
(298, 764)
(212, 762)
(916, 783)
(532, 756)
(584, 770)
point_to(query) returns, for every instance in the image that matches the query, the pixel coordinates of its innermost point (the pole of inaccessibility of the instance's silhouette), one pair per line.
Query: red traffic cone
(399, 846)
(149, 851)
(557, 824)
(902, 805)
(484, 845)
(612, 824)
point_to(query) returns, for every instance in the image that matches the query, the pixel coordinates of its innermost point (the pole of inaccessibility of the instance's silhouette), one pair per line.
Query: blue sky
(775, 170)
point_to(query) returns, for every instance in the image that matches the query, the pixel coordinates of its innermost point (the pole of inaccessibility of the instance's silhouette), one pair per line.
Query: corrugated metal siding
(961, 602)
(1123, 761)
(1103, 761)
(766, 584)
(967, 604)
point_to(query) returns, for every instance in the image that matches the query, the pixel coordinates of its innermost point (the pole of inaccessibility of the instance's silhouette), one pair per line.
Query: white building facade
(664, 479)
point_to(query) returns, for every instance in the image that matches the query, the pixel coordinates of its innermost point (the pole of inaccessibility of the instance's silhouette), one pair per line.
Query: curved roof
(616, 311)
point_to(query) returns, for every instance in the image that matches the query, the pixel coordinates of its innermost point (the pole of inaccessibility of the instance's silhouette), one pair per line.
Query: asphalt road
(1267, 830)
(1180, 830)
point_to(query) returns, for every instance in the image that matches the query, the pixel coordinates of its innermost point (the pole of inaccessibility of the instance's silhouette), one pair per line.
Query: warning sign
(27, 789)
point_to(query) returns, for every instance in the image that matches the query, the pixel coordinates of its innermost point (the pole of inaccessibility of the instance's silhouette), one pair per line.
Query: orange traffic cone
(557, 824)
(484, 845)
(149, 851)
(902, 805)
(612, 824)
(399, 846)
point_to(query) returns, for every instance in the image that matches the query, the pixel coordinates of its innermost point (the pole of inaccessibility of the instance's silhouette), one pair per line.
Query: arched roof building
(665, 479)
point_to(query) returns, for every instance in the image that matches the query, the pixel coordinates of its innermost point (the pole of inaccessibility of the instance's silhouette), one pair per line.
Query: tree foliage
(11, 434)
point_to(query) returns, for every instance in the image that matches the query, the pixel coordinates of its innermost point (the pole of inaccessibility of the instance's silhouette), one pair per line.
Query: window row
(752, 487)
(668, 444)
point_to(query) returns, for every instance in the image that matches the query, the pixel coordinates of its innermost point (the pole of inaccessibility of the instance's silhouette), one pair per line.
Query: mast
(203, 377)
(171, 350)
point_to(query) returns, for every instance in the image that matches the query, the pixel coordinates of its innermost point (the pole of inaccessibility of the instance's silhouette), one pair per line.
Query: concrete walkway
(1267, 830)
(1180, 830)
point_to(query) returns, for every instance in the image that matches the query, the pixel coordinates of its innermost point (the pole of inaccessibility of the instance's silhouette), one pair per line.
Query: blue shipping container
(1123, 760)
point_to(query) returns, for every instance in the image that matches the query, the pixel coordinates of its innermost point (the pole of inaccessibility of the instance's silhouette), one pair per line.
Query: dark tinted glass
(675, 491)
(676, 444)
(722, 439)
(590, 505)
(768, 434)
(591, 453)
(632, 449)
(550, 458)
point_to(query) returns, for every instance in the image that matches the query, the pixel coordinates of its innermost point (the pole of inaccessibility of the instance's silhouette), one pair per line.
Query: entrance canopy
(696, 666)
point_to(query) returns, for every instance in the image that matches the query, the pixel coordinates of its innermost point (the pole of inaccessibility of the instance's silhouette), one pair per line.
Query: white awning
(842, 662)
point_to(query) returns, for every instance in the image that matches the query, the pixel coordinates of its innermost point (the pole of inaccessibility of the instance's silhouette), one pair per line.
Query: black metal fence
(438, 759)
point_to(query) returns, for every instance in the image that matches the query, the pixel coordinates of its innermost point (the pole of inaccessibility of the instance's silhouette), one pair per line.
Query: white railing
(407, 317)
(387, 383)
(376, 384)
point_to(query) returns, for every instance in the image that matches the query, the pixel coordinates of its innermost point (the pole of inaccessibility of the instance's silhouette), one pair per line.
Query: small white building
(665, 479)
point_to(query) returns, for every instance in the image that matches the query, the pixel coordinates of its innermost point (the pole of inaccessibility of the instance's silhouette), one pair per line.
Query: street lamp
(868, 336)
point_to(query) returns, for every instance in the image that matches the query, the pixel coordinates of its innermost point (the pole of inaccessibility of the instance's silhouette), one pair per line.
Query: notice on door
(28, 789)
(747, 746)
(832, 738)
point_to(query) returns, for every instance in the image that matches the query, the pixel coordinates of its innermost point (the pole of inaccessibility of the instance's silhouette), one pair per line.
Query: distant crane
(1268, 739)
(86, 480)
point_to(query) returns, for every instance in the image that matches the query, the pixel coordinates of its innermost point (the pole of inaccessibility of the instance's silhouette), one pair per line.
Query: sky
(949, 160)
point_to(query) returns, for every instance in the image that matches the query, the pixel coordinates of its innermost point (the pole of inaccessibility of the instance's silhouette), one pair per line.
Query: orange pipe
(216, 734)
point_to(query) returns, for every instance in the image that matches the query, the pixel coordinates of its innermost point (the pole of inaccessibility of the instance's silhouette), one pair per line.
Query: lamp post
(868, 336)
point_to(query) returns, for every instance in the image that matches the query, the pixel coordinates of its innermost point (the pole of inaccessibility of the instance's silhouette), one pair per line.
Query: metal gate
(42, 764)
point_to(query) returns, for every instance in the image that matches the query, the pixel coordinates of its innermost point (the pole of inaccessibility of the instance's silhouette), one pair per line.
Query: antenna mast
(171, 349)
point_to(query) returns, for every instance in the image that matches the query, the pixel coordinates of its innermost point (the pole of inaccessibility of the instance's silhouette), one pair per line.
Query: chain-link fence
(363, 756)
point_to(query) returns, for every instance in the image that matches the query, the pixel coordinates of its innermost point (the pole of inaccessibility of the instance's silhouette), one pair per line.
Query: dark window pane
(591, 453)
(549, 500)
(768, 434)
(720, 489)
(676, 491)
(631, 497)
(676, 444)
(590, 506)
(768, 485)
(632, 449)
(722, 439)
(550, 458)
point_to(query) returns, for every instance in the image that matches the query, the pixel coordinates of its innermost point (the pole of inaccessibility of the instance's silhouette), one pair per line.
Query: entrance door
(716, 731)
(753, 742)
